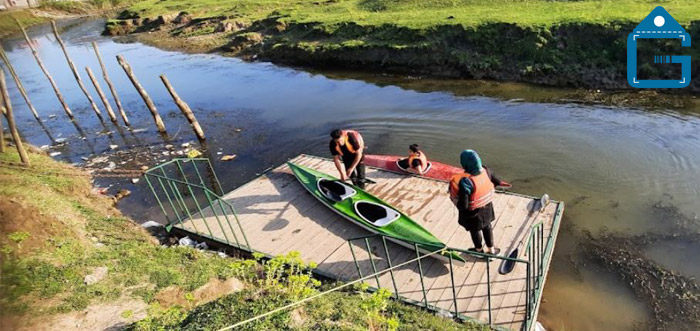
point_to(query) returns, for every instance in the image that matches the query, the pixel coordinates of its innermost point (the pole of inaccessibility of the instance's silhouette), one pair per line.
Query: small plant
(374, 306)
(158, 317)
(18, 236)
(127, 314)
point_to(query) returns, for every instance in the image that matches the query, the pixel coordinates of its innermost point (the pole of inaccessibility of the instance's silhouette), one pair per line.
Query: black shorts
(403, 163)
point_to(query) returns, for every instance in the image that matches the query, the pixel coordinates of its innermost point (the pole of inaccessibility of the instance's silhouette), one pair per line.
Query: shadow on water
(607, 163)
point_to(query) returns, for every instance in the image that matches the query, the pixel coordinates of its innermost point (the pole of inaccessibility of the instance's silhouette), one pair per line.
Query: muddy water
(611, 165)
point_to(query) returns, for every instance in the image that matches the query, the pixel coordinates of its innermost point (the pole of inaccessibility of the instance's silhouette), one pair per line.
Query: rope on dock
(294, 304)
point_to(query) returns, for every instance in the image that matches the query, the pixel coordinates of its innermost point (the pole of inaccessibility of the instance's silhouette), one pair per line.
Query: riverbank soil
(569, 44)
(69, 259)
(672, 297)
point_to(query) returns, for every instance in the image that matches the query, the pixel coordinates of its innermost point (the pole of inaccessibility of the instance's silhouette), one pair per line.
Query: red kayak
(436, 170)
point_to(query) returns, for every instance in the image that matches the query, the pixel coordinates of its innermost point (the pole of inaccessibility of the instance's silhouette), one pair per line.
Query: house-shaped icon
(658, 25)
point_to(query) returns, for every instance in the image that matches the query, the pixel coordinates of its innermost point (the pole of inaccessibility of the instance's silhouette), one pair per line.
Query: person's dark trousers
(357, 176)
(488, 237)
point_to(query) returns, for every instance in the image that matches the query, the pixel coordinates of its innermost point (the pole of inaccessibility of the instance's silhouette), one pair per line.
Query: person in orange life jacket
(416, 161)
(473, 192)
(347, 147)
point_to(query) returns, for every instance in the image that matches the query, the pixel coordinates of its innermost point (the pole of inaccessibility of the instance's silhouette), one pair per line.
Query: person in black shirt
(347, 148)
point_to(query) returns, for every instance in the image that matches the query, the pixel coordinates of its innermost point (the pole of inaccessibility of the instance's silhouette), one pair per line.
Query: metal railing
(182, 200)
(537, 251)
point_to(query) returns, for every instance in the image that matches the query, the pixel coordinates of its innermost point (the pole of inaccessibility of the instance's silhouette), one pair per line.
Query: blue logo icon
(658, 25)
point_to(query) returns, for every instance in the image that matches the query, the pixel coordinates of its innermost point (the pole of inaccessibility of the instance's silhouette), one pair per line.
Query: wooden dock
(278, 216)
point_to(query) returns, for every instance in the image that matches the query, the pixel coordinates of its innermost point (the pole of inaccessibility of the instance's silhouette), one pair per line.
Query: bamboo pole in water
(108, 107)
(184, 108)
(110, 85)
(149, 103)
(11, 121)
(75, 71)
(22, 91)
(46, 72)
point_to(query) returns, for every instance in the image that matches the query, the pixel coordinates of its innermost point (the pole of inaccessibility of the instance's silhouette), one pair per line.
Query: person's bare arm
(420, 168)
(339, 165)
(355, 162)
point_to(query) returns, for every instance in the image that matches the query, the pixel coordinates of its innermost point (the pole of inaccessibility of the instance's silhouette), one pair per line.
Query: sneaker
(496, 251)
(473, 249)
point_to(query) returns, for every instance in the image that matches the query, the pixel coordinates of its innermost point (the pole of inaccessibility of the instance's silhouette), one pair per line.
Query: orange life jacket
(482, 193)
(420, 156)
(348, 145)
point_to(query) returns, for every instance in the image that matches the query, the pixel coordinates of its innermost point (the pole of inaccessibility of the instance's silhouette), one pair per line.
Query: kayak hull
(403, 230)
(437, 170)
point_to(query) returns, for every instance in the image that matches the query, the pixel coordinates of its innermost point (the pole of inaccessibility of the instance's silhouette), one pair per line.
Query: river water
(610, 165)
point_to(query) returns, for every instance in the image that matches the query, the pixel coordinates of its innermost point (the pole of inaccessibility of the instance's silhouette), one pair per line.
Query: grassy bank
(425, 13)
(8, 24)
(48, 10)
(557, 43)
(68, 257)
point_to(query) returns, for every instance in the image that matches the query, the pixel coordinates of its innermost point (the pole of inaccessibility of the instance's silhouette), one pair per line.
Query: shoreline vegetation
(573, 44)
(68, 257)
(50, 10)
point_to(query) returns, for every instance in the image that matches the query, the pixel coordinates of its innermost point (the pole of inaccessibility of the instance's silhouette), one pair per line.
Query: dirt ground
(105, 316)
(175, 295)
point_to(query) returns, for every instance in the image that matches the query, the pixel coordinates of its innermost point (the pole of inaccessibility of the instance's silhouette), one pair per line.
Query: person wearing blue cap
(472, 192)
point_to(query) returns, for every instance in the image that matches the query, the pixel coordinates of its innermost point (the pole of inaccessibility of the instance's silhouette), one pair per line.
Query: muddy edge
(672, 298)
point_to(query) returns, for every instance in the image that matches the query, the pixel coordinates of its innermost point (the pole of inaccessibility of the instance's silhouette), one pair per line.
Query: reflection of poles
(121, 134)
(184, 108)
(75, 71)
(108, 107)
(48, 133)
(210, 174)
(2, 133)
(46, 72)
(24, 93)
(84, 137)
(11, 121)
(19, 83)
(111, 86)
(149, 103)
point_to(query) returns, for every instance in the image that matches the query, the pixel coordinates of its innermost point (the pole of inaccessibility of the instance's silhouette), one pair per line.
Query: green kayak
(370, 212)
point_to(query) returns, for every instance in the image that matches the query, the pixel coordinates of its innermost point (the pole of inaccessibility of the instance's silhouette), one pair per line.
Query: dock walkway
(278, 216)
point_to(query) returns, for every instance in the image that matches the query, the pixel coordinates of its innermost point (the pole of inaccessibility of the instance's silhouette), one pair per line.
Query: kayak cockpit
(334, 190)
(376, 214)
(398, 164)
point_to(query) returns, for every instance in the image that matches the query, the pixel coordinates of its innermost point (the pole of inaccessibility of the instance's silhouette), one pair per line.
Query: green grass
(66, 223)
(8, 24)
(425, 13)
(286, 279)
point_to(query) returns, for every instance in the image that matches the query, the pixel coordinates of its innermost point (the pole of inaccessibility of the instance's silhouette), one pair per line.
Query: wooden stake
(149, 103)
(2, 133)
(75, 72)
(108, 107)
(111, 86)
(46, 72)
(184, 108)
(22, 91)
(11, 121)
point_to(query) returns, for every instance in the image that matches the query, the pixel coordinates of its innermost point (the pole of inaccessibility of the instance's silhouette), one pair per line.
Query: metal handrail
(171, 192)
(534, 270)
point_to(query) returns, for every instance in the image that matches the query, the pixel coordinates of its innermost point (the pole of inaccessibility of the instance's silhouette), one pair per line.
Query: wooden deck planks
(279, 216)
